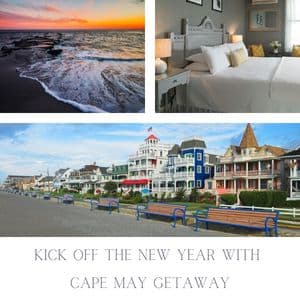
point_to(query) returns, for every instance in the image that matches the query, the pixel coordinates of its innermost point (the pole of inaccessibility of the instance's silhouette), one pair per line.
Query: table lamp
(235, 38)
(163, 49)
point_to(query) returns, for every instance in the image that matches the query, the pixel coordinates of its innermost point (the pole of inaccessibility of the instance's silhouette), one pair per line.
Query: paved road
(24, 216)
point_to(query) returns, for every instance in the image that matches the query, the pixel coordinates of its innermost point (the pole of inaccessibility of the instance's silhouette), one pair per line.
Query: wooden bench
(258, 220)
(47, 196)
(110, 203)
(66, 199)
(162, 209)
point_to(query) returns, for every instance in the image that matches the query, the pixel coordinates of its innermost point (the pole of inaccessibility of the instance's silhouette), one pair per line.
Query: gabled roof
(292, 153)
(249, 139)
(274, 150)
(212, 159)
(89, 168)
(175, 150)
(103, 170)
(46, 179)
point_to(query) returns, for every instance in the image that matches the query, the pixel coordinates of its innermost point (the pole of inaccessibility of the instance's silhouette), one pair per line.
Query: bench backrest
(242, 217)
(68, 197)
(166, 209)
(109, 201)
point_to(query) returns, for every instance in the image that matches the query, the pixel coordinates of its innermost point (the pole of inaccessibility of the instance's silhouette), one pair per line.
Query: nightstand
(172, 79)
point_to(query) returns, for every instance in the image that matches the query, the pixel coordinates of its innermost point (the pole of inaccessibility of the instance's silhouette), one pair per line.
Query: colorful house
(292, 161)
(150, 158)
(249, 166)
(188, 167)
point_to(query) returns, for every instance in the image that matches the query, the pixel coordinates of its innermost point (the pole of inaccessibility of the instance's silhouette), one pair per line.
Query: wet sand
(22, 95)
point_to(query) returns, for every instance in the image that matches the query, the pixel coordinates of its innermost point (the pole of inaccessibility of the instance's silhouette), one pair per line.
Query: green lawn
(193, 206)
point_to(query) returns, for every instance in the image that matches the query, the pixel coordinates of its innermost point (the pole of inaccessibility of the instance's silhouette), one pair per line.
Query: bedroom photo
(237, 56)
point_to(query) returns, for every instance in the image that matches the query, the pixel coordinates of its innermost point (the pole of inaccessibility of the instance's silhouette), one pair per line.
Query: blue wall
(198, 176)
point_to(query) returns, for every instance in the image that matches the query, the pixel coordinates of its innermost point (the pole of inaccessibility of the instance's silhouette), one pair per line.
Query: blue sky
(32, 149)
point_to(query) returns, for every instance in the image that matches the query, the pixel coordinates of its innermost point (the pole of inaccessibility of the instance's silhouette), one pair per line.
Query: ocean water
(98, 71)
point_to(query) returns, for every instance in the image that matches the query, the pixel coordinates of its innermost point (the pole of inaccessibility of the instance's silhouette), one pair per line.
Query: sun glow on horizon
(80, 14)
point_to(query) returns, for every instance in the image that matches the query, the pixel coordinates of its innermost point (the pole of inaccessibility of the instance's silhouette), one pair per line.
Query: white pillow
(198, 57)
(217, 58)
(200, 67)
(236, 46)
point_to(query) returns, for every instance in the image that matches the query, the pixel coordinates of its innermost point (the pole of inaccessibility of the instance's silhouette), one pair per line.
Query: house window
(199, 183)
(207, 170)
(292, 26)
(199, 156)
(199, 169)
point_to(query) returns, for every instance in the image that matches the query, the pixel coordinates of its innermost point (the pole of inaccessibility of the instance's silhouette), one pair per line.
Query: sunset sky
(71, 14)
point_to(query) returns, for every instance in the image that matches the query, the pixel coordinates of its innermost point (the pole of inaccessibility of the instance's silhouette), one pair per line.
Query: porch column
(295, 168)
(247, 170)
(291, 169)
(273, 174)
(224, 170)
(259, 174)
(234, 185)
(159, 186)
(291, 188)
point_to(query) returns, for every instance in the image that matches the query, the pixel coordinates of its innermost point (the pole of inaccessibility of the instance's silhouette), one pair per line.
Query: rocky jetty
(54, 52)
(43, 43)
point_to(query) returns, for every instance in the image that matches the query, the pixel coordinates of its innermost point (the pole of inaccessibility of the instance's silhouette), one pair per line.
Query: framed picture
(198, 2)
(217, 5)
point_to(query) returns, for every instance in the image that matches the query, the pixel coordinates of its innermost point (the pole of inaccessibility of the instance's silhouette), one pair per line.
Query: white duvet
(258, 85)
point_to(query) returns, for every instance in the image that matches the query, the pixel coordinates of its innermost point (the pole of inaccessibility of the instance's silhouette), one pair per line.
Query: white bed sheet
(285, 88)
(256, 86)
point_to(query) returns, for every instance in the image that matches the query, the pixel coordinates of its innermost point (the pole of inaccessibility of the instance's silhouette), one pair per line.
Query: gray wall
(170, 12)
(266, 37)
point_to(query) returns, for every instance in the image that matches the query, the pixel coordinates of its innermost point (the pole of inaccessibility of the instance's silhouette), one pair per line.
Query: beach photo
(72, 56)
(224, 180)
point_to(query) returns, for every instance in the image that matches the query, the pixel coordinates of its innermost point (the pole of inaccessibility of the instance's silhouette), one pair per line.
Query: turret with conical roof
(249, 139)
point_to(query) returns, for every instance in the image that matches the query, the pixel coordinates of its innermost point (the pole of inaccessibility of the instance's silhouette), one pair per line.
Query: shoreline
(24, 95)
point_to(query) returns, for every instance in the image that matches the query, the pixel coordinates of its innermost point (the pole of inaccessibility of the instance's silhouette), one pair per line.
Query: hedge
(293, 203)
(228, 199)
(264, 198)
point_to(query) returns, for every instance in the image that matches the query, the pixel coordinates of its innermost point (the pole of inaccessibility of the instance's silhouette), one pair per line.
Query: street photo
(197, 180)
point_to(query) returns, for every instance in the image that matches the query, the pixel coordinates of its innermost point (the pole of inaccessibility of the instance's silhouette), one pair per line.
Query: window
(199, 183)
(292, 26)
(199, 156)
(207, 170)
(199, 169)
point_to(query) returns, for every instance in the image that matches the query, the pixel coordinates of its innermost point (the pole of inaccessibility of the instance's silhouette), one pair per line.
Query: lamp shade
(235, 38)
(163, 48)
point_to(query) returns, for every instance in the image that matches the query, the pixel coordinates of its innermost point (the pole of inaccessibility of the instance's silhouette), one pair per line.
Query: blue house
(189, 166)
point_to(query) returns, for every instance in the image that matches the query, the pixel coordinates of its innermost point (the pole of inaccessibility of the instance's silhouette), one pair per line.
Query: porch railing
(294, 212)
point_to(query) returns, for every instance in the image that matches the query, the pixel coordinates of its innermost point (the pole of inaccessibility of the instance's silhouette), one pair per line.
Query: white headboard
(193, 37)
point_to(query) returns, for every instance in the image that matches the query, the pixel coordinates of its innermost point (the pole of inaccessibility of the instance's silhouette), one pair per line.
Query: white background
(276, 276)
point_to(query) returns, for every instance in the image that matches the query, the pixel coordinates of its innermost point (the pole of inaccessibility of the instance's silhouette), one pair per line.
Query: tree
(180, 195)
(111, 187)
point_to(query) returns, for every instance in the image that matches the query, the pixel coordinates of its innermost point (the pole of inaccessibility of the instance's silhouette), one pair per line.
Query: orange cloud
(14, 21)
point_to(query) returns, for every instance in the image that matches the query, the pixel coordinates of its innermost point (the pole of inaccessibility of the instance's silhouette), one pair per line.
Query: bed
(268, 84)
